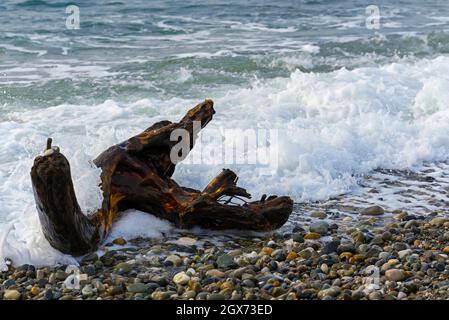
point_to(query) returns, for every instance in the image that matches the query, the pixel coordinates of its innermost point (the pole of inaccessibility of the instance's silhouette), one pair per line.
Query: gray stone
(8, 283)
(137, 288)
(215, 296)
(320, 227)
(346, 248)
(372, 211)
(225, 261)
(330, 247)
(404, 253)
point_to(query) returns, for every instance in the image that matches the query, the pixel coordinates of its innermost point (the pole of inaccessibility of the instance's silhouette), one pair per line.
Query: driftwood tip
(49, 141)
(209, 101)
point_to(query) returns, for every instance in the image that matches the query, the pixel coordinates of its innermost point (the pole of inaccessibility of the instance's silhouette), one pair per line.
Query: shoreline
(349, 247)
(409, 255)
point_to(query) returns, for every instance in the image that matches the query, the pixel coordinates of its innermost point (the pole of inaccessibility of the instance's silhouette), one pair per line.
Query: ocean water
(345, 99)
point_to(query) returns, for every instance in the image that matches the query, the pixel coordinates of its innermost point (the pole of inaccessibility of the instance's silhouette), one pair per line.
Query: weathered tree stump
(137, 174)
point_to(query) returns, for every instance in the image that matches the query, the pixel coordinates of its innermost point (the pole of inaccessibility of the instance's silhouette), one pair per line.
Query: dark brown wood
(137, 174)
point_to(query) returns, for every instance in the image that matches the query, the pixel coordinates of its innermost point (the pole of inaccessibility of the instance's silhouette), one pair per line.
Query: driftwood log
(137, 174)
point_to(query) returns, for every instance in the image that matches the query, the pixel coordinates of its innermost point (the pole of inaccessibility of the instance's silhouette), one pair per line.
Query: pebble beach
(331, 250)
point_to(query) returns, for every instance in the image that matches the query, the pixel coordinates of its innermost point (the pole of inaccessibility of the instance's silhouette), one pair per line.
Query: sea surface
(346, 99)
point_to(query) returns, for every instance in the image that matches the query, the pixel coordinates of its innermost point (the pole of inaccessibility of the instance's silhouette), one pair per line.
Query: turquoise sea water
(127, 50)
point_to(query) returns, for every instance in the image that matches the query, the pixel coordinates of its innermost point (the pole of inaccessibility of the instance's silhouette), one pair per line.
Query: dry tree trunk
(137, 174)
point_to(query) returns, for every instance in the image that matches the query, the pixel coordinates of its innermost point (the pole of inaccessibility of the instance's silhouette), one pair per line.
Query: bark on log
(137, 174)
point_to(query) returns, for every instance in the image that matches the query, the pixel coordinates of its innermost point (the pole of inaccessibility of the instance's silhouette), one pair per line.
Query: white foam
(182, 75)
(253, 26)
(334, 126)
(135, 223)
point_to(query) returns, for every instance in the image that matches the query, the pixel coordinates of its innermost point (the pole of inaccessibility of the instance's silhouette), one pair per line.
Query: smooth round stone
(346, 248)
(60, 275)
(440, 267)
(331, 292)
(297, 237)
(174, 260)
(215, 273)
(395, 275)
(189, 294)
(377, 240)
(386, 235)
(119, 241)
(330, 247)
(225, 261)
(375, 296)
(438, 221)
(384, 255)
(372, 211)
(267, 251)
(8, 283)
(279, 254)
(34, 291)
(320, 227)
(292, 255)
(181, 278)
(399, 246)
(248, 283)
(319, 214)
(12, 295)
(159, 295)
(137, 288)
(123, 267)
(312, 236)
(404, 253)
(87, 290)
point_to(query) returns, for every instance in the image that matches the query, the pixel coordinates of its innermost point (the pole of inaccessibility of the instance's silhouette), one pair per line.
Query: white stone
(181, 278)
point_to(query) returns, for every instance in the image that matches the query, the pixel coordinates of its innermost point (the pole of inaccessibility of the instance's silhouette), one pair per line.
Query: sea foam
(333, 127)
